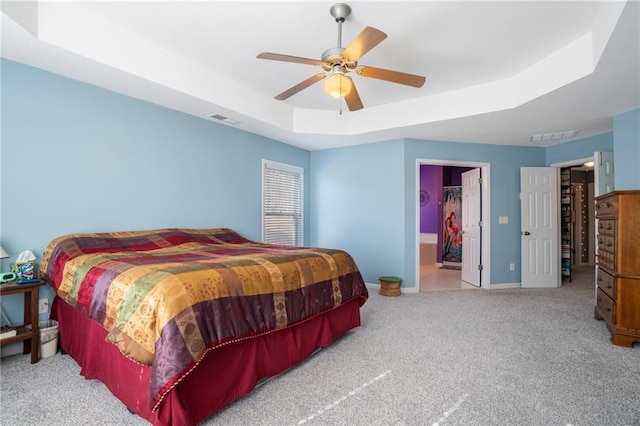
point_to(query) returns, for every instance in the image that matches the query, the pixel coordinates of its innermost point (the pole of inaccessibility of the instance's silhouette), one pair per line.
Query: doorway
(439, 265)
(578, 191)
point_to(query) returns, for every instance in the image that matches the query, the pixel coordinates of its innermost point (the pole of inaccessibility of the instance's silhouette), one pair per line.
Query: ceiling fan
(338, 62)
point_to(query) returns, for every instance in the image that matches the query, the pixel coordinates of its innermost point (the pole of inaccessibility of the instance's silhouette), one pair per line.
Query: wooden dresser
(618, 265)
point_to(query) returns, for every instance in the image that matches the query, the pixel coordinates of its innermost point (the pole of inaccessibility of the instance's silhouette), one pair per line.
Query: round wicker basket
(390, 286)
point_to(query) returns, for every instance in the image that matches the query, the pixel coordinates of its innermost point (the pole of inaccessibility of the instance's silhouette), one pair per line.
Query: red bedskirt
(209, 387)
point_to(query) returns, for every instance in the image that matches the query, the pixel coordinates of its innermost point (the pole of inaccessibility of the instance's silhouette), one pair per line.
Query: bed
(178, 323)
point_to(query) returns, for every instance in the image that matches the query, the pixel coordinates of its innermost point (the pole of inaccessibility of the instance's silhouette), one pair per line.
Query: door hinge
(479, 180)
(480, 267)
(480, 224)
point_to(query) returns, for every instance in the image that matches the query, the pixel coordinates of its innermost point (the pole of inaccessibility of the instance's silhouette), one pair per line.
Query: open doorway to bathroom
(440, 226)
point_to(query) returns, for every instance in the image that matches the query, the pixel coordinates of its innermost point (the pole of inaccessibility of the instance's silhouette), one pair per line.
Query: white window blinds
(282, 204)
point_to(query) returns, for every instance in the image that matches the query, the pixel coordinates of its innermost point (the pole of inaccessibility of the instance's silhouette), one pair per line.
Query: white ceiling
(497, 72)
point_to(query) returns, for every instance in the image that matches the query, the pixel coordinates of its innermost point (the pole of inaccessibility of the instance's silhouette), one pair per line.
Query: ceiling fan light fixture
(338, 85)
(338, 61)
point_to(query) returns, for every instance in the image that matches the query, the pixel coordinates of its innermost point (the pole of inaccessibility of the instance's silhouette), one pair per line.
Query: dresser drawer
(605, 307)
(606, 283)
(618, 265)
(606, 243)
(606, 259)
(606, 207)
(606, 227)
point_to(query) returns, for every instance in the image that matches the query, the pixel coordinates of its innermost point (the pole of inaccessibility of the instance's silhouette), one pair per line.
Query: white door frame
(485, 250)
(572, 163)
(578, 162)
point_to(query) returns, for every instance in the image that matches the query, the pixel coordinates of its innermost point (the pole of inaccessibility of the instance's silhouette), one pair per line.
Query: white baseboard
(372, 287)
(504, 285)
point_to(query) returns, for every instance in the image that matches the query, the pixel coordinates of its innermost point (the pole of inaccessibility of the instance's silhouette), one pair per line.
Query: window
(282, 203)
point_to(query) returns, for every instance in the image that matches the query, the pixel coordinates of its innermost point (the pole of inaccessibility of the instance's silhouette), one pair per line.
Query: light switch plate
(503, 220)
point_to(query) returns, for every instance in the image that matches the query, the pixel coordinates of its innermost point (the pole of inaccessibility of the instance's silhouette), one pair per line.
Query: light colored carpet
(500, 357)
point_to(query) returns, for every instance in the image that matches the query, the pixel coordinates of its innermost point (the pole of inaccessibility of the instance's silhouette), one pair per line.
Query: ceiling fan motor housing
(332, 57)
(340, 11)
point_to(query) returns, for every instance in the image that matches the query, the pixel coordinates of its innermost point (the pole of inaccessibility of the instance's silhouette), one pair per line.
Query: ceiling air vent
(544, 137)
(224, 119)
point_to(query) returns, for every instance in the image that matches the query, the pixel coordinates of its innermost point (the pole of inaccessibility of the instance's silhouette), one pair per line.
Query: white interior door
(603, 173)
(539, 204)
(471, 228)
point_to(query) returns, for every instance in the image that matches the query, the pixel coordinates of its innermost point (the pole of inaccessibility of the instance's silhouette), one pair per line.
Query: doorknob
(526, 233)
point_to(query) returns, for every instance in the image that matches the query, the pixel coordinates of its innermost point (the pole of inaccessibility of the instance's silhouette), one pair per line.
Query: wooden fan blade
(364, 42)
(353, 99)
(393, 76)
(287, 58)
(300, 86)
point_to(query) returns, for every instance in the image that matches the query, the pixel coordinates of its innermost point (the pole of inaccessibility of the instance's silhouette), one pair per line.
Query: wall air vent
(224, 119)
(544, 137)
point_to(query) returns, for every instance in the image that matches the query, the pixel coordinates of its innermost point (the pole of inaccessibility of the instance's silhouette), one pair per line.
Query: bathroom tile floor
(433, 278)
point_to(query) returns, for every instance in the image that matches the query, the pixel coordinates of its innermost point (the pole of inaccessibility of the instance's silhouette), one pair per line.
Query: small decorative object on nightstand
(390, 286)
(30, 336)
(5, 276)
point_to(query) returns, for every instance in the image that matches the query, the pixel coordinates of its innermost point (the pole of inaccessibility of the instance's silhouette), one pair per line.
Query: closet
(577, 243)
(567, 219)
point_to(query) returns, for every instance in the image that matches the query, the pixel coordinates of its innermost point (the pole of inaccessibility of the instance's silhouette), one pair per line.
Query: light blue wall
(626, 156)
(77, 158)
(364, 201)
(624, 142)
(358, 205)
(349, 183)
(505, 163)
(579, 149)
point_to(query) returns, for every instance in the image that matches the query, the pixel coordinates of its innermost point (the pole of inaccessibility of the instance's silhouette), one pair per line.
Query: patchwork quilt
(168, 296)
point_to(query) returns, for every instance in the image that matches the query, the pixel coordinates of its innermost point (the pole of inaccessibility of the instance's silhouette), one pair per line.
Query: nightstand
(29, 337)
